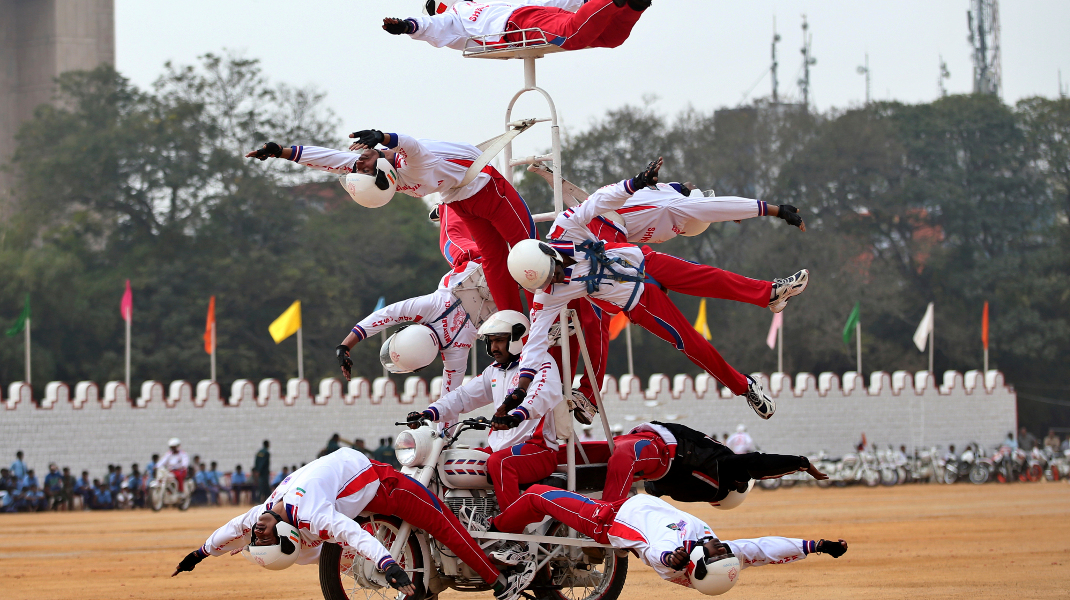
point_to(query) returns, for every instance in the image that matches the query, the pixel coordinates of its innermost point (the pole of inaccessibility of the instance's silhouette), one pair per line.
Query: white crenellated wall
(92, 427)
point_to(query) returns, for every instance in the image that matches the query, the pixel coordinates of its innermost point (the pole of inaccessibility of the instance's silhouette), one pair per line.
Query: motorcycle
(570, 567)
(163, 491)
(958, 468)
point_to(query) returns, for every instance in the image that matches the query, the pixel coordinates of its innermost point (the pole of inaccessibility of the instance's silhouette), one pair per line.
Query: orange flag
(617, 325)
(984, 326)
(209, 338)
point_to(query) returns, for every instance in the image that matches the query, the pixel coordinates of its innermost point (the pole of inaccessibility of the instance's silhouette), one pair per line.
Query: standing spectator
(1051, 440)
(332, 444)
(741, 442)
(385, 452)
(136, 485)
(115, 482)
(150, 467)
(68, 487)
(358, 445)
(176, 461)
(53, 489)
(1026, 441)
(262, 472)
(211, 480)
(84, 488)
(238, 484)
(1009, 442)
(724, 438)
(18, 468)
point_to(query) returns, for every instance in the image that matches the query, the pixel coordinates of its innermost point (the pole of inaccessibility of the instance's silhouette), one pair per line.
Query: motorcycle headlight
(411, 447)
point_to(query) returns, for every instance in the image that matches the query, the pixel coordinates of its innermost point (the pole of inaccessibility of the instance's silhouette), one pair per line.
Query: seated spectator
(7, 491)
(34, 498)
(279, 477)
(1051, 440)
(53, 488)
(102, 498)
(83, 487)
(240, 483)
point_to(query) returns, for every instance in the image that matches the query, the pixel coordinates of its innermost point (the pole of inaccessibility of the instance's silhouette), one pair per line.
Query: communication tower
(772, 68)
(983, 19)
(808, 61)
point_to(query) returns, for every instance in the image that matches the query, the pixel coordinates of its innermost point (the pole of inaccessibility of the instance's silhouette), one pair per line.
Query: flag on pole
(921, 336)
(20, 322)
(287, 324)
(617, 325)
(852, 320)
(126, 307)
(778, 322)
(700, 323)
(380, 304)
(209, 343)
(984, 326)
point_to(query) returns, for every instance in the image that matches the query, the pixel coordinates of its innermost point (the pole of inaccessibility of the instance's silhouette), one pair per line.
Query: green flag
(20, 323)
(849, 328)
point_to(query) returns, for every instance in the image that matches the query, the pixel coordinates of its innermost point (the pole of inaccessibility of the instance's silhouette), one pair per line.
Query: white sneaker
(472, 520)
(512, 554)
(759, 400)
(517, 582)
(787, 288)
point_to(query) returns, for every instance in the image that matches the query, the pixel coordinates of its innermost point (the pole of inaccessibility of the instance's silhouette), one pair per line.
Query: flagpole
(128, 321)
(28, 370)
(986, 360)
(628, 341)
(858, 346)
(213, 350)
(931, 331)
(780, 348)
(300, 357)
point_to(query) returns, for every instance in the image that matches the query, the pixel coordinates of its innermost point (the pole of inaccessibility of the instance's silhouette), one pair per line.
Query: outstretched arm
(773, 550)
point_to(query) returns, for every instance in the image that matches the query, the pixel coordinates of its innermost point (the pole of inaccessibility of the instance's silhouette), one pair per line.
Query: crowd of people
(23, 490)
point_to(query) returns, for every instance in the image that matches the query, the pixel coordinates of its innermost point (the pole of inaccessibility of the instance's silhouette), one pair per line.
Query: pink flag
(778, 320)
(126, 307)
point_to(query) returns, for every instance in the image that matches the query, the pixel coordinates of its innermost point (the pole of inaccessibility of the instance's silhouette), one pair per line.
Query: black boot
(638, 5)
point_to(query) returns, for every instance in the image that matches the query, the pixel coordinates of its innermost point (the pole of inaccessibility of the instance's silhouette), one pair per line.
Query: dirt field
(935, 541)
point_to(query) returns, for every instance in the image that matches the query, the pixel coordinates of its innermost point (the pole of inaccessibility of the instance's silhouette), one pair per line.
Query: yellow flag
(288, 323)
(700, 322)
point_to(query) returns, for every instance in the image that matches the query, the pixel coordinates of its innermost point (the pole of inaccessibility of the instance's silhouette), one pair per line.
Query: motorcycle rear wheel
(871, 477)
(769, 484)
(337, 578)
(557, 584)
(889, 476)
(978, 475)
(951, 475)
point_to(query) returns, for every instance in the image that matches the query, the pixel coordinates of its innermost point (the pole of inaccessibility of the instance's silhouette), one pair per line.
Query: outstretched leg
(704, 281)
(598, 23)
(642, 455)
(589, 517)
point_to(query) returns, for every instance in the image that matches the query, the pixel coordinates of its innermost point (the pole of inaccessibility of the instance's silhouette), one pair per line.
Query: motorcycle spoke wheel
(568, 581)
(342, 569)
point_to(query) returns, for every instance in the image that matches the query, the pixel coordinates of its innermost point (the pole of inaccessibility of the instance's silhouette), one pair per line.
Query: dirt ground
(934, 541)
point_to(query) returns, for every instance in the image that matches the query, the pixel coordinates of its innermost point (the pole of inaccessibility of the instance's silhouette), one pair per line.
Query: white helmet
(712, 576)
(437, 7)
(372, 191)
(171, 443)
(734, 498)
(693, 227)
(279, 556)
(506, 322)
(741, 428)
(410, 349)
(531, 263)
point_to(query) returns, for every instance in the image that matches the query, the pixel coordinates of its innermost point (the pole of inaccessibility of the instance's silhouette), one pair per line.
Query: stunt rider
(176, 461)
(319, 502)
(523, 443)
(570, 24)
(680, 547)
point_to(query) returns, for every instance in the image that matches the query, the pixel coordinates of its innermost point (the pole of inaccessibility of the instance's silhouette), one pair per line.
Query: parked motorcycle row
(890, 467)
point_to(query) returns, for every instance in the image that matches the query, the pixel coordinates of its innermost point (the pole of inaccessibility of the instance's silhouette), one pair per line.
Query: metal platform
(533, 44)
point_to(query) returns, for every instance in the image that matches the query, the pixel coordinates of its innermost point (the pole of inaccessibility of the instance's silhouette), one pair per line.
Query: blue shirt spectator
(28, 480)
(280, 476)
(18, 468)
(101, 497)
(35, 498)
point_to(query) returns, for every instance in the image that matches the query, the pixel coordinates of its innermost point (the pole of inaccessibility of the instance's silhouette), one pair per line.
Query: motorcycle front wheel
(156, 498)
(978, 474)
(889, 476)
(342, 569)
(769, 484)
(871, 477)
(951, 475)
(562, 579)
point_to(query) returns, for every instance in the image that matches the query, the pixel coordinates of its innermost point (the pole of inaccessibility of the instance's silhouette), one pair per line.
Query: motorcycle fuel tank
(462, 468)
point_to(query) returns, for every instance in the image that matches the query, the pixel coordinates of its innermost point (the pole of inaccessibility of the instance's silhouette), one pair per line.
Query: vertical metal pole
(596, 389)
(128, 322)
(300, 357)
(566, 376)
(780, 348)
(28, 369)
(628, 340)
(213, 350)
(858, 346)
(986, 360)
(529, 72)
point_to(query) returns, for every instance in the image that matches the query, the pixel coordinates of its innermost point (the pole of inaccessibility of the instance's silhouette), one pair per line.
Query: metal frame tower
(808, 61)
(773, 67)
(983, 21)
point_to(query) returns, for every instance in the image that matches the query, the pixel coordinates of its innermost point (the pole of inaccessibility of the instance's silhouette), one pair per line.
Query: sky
(704, 54)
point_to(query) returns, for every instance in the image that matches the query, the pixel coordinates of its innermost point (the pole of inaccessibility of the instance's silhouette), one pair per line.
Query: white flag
(921, 336)
(778, 322)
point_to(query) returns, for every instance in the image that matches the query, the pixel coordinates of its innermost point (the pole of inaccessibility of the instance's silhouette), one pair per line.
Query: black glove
(513, 399)
(268, 150)
(678, 565)
(397, 576)
(398, 26)
(834, 549)
(509, 421)
(368, 137)
(192, 560)
(790, 214)
(649, 176)
(344, 360)
(414, 418)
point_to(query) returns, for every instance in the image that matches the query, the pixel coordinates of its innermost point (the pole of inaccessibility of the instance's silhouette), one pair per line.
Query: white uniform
(174, 461)
(468, 19)
(321, 499)
(653, 528)
(536, 411)
(652, 216)
(423, 166)
(568, 229)
(741, 443)
(443, 313)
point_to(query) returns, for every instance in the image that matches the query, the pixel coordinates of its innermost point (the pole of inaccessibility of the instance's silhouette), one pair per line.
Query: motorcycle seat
(589, 478)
